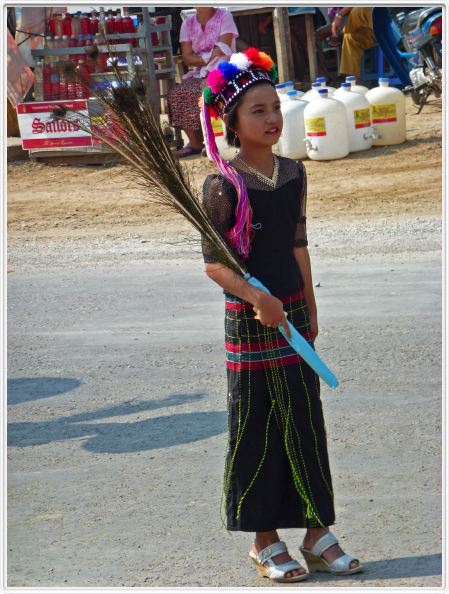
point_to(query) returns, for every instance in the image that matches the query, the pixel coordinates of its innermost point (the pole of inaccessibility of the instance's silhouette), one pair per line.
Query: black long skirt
(277, 471)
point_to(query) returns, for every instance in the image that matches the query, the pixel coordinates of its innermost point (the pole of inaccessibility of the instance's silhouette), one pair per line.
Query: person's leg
(330, 554)
(195, 138)
(194, 146)
(351, 55)
(264, 539)
(358, 36)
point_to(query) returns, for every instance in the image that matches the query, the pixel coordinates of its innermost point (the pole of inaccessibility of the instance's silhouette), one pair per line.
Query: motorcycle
(419, 32)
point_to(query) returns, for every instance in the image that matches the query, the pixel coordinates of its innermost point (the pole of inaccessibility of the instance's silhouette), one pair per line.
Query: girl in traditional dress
(277, 468)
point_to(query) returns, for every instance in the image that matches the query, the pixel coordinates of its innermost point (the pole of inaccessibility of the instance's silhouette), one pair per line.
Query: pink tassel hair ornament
(216, 80)
(240, 235)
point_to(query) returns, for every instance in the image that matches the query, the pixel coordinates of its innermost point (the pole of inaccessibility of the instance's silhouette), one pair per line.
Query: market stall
(79, 57)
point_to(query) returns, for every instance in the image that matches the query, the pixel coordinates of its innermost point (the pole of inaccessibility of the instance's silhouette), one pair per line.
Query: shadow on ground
(393, 569)
(125, 436)
(27, 389)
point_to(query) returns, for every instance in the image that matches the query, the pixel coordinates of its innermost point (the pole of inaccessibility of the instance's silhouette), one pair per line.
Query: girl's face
(259, 117)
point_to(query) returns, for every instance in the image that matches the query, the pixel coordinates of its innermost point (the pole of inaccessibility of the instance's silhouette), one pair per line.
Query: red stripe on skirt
(266, 364)
(255, 347)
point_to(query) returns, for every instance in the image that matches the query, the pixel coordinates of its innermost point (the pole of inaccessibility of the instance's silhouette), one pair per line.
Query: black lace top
(279, 223)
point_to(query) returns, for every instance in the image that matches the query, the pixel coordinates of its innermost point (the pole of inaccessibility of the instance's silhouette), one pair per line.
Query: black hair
(231, 137)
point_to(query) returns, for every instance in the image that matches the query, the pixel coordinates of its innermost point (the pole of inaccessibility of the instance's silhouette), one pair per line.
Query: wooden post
(150, 62)
(311, 50)
(283, 42)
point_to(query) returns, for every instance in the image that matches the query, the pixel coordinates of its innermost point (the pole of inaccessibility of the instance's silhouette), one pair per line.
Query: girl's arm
(269, 310)
(303, 259)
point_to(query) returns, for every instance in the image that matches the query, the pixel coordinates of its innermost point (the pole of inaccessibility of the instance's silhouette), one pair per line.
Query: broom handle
(300, 344)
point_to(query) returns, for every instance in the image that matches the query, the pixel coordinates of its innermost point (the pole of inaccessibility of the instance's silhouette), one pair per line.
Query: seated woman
(206, 38)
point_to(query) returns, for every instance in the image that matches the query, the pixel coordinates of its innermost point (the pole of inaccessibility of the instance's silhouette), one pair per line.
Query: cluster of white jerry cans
(327, 123)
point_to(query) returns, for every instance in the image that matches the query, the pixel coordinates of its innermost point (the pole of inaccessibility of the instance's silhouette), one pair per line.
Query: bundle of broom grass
(133, 131)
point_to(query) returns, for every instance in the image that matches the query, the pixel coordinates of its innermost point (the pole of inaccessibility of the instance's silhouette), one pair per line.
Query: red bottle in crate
(119, 24)
(59, 25)
(110, 23)
(84, 24)
(55, 81)
(47, 80)
(76, 23)
(93, 23)
(128, 26)
(52, 25)
(67, 25)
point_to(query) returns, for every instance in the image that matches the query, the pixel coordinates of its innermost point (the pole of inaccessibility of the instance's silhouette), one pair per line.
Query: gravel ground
(354, 240)
(117, 420)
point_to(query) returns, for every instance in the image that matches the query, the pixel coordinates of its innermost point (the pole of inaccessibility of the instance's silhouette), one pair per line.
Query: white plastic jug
(280, 90)
(360, 132)
(290, 86)
(324, 85)
(355, 88)
(219, 129)
(292, 142)
(326, 128)
(312, 94)
(387, 106)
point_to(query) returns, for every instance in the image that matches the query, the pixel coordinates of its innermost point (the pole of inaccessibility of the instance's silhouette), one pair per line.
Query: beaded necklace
(267, 180)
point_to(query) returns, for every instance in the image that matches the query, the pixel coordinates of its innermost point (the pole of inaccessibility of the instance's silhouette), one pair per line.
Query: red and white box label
(40, 129)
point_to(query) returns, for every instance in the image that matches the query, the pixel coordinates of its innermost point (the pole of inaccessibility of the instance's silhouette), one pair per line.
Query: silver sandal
(276, 572)
(315, 562)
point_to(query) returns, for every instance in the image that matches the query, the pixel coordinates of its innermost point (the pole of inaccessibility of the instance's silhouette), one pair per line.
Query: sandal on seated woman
(188, 151)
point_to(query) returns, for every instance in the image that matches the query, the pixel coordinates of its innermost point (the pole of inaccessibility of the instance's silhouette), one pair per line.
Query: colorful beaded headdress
(225, 85)
(230, 79)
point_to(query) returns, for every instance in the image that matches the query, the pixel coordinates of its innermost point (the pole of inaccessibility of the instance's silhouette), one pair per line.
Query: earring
(234, 141)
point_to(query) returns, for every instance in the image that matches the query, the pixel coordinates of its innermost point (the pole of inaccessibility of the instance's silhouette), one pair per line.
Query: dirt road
(68, 202)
